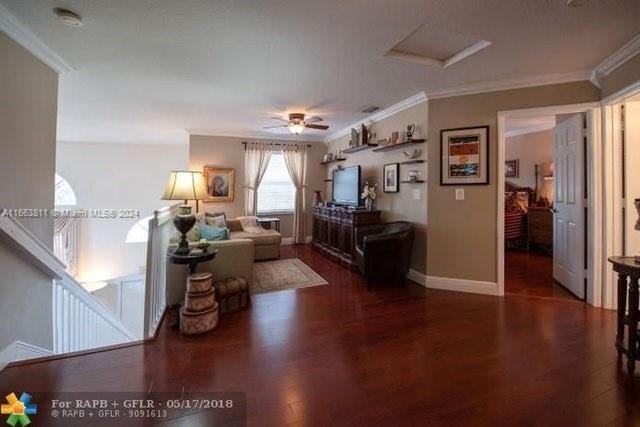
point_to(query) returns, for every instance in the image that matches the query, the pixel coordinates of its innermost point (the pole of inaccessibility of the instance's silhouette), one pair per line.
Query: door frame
(612, 166)
(594, 151)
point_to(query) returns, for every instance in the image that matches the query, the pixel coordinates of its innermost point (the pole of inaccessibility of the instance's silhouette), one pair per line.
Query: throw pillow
(213, 232)
(219, 219)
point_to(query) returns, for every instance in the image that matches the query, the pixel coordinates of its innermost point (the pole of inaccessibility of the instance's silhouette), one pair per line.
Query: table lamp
(185, 185)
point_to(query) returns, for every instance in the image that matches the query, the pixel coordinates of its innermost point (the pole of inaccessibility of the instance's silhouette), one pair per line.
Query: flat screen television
(346, 186)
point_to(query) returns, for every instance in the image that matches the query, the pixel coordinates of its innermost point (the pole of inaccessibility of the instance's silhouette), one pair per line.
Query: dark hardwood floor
(339, 355)
(531, 274)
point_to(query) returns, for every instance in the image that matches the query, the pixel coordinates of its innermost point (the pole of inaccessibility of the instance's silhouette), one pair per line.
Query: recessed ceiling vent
(68, 18)
(435, 47)
(371, 109)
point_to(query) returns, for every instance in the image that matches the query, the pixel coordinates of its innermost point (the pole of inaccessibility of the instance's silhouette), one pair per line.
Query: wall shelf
(359, 148)
(399, 145)
(419, 181)
(328, 180)
(332, 161)
(412, 162)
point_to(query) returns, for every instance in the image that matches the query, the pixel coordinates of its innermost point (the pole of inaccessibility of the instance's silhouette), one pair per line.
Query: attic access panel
(433, 46)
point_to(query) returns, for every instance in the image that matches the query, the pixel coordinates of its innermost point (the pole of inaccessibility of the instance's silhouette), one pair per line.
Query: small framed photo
(464, 156)
(391, 178)
(512, 168)
(220, 184)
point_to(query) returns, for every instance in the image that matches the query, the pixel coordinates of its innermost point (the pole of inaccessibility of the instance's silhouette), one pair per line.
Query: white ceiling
(146, 70)
(523, 125)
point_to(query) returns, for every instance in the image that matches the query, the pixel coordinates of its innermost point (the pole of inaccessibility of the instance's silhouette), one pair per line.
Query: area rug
(283, 274)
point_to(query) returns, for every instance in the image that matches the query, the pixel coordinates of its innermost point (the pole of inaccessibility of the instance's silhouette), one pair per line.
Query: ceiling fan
(297, 123)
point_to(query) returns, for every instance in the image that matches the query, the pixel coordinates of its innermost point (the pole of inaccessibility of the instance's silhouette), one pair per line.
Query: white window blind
(276, 192)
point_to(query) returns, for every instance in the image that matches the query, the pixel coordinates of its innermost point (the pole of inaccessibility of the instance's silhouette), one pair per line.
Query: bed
(516, 204)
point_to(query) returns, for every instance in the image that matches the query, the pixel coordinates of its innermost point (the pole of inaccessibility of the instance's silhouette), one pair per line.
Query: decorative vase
(183, 222)
(368, 204)
(317, 198)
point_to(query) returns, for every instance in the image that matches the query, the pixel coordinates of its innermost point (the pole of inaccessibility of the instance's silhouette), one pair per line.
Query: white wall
(28, 106)
(531, 149)
(116, 176)
(632, 138)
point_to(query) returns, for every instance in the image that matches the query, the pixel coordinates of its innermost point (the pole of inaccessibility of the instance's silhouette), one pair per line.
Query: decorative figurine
(410, 130)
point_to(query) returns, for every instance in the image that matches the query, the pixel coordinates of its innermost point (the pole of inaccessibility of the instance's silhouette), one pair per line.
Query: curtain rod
(273, 143)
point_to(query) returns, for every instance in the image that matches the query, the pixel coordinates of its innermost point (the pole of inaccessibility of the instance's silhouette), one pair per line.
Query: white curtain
(66, 241)
(256, 160)
(295, 158)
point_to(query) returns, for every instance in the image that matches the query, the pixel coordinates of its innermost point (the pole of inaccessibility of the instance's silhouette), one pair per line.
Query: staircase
(80, 321)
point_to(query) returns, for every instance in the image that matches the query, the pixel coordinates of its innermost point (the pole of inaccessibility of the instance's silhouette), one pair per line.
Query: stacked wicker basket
(200, 311)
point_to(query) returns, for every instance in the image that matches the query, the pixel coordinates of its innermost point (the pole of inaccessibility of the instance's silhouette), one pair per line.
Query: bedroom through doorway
(544, 217)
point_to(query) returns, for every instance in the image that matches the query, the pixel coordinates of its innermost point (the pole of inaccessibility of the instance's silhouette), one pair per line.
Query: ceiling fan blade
(276, 126)
(313, 119)
(321, 127)
(279, 118)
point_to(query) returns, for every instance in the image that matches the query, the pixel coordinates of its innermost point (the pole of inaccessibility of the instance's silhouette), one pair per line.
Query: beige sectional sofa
(266, 245)
(235, 258)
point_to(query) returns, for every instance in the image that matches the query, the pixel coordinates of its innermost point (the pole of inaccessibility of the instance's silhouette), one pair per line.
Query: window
(276, 192)
(63, 193)
(139, 232)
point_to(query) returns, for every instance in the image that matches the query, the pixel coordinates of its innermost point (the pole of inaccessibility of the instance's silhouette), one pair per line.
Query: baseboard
(417, 277)
(291, 241)
(451, 284)
(18, 350)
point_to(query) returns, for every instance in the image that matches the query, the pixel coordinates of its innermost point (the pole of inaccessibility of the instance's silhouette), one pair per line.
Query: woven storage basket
(199, 301)
(193, 323)
(199, 282)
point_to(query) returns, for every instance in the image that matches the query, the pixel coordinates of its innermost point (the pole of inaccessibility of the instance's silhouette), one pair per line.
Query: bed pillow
(213, 232)
(522, 201)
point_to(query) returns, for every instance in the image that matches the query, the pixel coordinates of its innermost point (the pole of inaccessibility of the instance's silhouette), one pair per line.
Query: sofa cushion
(213, 232)
(219, 219)
(268, 237)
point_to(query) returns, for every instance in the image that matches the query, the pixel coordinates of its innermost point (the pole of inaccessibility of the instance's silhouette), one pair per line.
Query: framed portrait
(512, 168)
(464, 156)
(391, 178)
(220, 183)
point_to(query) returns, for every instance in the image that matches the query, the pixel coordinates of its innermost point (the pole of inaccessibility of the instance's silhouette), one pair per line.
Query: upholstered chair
(383, 252)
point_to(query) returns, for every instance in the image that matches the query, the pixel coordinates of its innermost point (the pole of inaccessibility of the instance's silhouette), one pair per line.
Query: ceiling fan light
(296, 128)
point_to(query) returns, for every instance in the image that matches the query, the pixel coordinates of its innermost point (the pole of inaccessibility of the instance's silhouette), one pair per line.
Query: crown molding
(249, 135)
(416, 99)
(615, 60)
(27, 39)
(507, 84)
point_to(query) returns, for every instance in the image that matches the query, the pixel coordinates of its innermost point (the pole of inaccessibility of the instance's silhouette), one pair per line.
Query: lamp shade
(185, 185)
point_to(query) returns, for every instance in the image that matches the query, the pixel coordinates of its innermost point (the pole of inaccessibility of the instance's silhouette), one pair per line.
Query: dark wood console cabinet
(334, 231)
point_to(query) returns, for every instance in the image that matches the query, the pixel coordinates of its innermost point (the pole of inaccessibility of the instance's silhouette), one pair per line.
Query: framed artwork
(512, 168)
(464, 156)
(391, 178)
(220, 183)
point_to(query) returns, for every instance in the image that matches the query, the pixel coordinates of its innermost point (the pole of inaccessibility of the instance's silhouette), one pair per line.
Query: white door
(569, 215)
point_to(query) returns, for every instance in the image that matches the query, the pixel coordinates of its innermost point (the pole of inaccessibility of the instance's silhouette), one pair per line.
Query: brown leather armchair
(383, 252)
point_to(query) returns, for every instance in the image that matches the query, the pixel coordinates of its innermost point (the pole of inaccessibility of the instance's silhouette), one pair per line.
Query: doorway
(537, 262)
(621, 116)
(546, 168)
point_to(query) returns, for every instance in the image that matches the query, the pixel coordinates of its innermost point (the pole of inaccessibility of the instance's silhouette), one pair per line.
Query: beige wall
(462, 234)
(621, 77)
(228, 152)
(28, 106)
(399, 206)
(532, 149)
